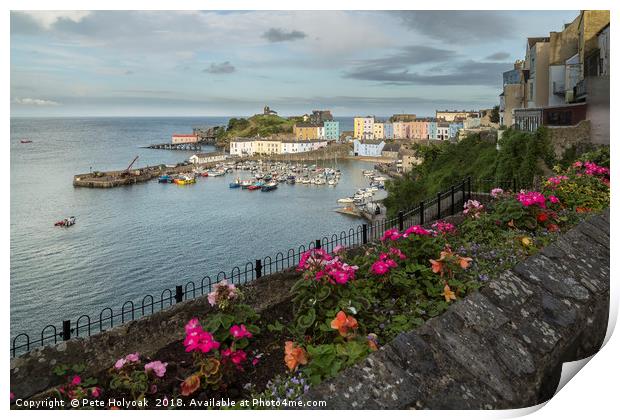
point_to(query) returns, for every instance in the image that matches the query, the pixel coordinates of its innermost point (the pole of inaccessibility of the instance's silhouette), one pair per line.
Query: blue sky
(166, 63)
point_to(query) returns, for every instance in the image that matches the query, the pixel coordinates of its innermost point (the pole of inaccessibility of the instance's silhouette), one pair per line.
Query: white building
(443, 131)
(368, 147)
(242, 147)
(202, 158)
(321, 132)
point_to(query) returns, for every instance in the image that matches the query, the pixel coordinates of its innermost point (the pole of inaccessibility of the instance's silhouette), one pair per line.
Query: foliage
(74, 386)
(129, 374)
(258, 125)
(495, 114)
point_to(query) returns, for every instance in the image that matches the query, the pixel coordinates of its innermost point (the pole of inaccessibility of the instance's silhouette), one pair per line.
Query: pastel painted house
(371, 148)
(242, 147)
(363, 127)
(184, 138)
(202, 158)
(454, 128)
(388, 130)
(432, 130)
(332, 130)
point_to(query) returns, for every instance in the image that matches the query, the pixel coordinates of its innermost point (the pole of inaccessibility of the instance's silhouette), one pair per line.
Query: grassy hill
(258, 125)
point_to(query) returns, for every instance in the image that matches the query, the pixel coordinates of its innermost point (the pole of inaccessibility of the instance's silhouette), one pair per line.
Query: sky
(218, 63)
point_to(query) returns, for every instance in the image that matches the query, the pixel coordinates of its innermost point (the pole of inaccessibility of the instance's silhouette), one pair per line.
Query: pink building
(184, 138)
(419, 129)
(401, 129)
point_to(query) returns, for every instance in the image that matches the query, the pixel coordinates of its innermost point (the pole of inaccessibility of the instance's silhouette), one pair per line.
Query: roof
(200, 155)
(303, 141)
(308, 125)
(371, 141)
(184, 135)
(391, 147)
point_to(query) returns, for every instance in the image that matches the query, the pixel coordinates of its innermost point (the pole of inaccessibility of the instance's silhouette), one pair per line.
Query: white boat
(346, 200)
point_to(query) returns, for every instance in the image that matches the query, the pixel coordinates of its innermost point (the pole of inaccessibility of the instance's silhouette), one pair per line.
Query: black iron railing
(445, 203)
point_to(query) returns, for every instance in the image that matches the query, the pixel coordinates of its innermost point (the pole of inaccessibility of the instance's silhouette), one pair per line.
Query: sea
(140, 239)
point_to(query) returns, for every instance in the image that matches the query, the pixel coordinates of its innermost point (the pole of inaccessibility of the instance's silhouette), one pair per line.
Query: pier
(175, 146)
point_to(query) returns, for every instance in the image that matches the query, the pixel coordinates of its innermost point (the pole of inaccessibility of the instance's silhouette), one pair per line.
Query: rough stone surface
(500, 347)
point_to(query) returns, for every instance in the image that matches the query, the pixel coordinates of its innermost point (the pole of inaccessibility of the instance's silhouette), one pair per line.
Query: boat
(246, 184)
(270, 186)
(66, 222)
(235, 184)
(165, 179)
(254, 187)
(346, 200)
(217, 172)
(24, 141)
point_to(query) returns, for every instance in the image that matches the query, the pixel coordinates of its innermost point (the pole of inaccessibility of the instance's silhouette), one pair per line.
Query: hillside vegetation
(258, 125)
(521, 156)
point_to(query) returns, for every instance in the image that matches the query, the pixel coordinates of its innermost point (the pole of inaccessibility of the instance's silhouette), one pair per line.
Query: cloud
(220, 68)
(498, 56)
(461, 26)
(279, 35)
(128, 72)
(46, 19)
(464, 73)
(34, 102)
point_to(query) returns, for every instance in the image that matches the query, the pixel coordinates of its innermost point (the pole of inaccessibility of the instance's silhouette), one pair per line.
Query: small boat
(24, 141)
(67, 222)
(246, 184)
(235, 184)
(254, 187)
(165, 179)
(270, 186)
(346, 200)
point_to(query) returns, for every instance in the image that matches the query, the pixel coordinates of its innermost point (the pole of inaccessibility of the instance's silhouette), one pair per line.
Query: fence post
(178, 295)
(317, 243)
(258, 267)
(514, 185)
(421, 212)
(364, 234)
(401, 220)
(438, 205)
(66, 330)
(469, 188)
(452, 201)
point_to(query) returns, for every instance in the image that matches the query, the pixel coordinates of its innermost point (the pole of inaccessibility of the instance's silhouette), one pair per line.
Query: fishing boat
(347, 200)
(217, 172)
(24, 141)
(270, 186)
(66, 222)
(235, 184)
(245, 184)
(165, 179)
(254, 187)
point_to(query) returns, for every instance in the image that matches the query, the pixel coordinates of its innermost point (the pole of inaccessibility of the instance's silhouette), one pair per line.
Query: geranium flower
(552, 227)
(198, 339)
(532, 198)
(157, 367)
(436, 266)
(133, 357)
(416, 230)
(542, 217)
(95, 391)
(448, 294)
(379, 268)
(464, 262)
(120, 363)
(343, 323)
(496, 192)
(391, 234)
(76, 380)
(294, 356)
(190, 385)
(395, 252)
(554, 199)
(223, 294)
(240, 331)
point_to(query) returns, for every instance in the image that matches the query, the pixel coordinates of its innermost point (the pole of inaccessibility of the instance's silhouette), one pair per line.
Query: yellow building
(450, 116)
(363, 128)
(378, 130)
(268, 147)
(306, 131)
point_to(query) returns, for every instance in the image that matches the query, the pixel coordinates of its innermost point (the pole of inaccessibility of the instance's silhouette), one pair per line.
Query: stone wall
(563, 138)
(499, 348)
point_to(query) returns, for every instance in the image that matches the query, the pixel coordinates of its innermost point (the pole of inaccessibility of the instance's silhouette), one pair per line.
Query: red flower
(542, 217)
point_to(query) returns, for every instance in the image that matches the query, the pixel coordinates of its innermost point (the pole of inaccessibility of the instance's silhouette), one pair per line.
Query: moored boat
(66, 222)
(270, 186)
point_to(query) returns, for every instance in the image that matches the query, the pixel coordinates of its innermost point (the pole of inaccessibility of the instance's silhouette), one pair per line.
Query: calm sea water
(139, 239)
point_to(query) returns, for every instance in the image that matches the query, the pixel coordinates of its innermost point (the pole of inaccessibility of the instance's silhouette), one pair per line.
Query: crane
(126, 171)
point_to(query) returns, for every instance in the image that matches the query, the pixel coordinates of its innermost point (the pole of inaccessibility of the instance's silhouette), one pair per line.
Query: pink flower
(395, 252)
(312, 259)
(338, 249)
(238, 357)
(133, 357)
(120, 363)
(473, 208)
(496, 192)
(240, 331)
(95, 391)
(444, 227)
(391, 234)
(532, 198)
(12, 396)
(158, 368)
(76, 380)
(379, 268)
(222, 293)
(198, 339)
(554, 199)
(255, 361)
(417, 230)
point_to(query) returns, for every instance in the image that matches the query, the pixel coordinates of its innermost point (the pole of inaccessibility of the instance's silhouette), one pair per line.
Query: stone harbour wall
(499, 348)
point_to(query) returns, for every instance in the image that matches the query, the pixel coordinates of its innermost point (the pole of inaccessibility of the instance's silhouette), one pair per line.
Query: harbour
(144, 237)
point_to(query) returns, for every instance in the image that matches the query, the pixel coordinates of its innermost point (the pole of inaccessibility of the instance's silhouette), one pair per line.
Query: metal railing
(445, 203)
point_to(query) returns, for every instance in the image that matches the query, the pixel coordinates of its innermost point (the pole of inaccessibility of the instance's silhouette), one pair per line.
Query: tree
(495, 114)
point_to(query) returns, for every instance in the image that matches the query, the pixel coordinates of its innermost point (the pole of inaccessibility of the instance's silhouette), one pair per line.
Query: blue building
(432, 130)
(453, 129)
(332, 130)
(368, 147)
(388, 130)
